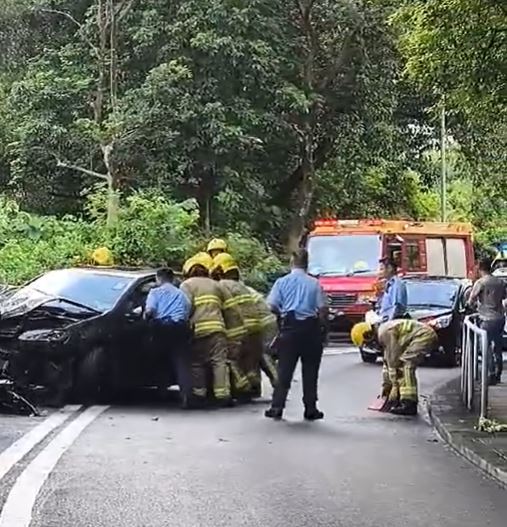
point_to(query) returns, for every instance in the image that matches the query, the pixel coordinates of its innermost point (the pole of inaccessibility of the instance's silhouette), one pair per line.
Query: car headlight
(365, 298)
(441, 322)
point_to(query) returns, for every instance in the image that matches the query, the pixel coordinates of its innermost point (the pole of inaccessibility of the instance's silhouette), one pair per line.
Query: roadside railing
(474, 365)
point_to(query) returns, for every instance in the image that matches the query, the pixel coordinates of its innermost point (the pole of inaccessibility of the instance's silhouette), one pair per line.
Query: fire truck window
(413, 257)
(435, 257)
(456, 258)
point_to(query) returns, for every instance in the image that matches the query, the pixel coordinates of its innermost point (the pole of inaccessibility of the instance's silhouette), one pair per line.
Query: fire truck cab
(344, 255)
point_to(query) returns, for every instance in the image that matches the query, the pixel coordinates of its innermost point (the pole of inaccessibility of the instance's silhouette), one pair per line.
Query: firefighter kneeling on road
(405, 343)
(209, 343)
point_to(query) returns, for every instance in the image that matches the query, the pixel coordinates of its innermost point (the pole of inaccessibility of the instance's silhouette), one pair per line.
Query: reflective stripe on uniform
(268, 320)
(238, 300)
(423, 339)
(408, 385)
(222, 392)
(208, 326)
(252, 324)
(202, 300)
(235, 333)
(406, 327)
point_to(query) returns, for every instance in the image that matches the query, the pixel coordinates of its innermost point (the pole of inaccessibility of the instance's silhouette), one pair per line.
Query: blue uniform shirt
(168, 303)
(297, 292)
(394, 299)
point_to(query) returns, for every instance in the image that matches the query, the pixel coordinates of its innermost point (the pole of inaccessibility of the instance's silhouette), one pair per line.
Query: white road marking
(18, 450)
(339, 351)
(17, 511)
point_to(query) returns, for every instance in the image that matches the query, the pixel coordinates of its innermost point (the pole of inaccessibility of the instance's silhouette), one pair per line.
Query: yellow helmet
(217, 245)
(102, 256)
(225, 262)
(358, 333)
(202, 259)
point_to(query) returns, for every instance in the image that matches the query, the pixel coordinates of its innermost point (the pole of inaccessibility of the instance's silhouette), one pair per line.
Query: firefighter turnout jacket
(405, 340)
(207, 299)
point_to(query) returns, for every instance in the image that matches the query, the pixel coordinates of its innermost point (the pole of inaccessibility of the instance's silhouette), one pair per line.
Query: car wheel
(450, 359)
(370, 358)
(90, 385)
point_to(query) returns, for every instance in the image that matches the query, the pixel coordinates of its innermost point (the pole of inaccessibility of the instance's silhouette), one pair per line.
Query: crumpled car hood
(20, 304)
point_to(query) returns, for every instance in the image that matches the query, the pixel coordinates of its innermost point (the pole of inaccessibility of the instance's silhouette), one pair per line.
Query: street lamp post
(443, 179)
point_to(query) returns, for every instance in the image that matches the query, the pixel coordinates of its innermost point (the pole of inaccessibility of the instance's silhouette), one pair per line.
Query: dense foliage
(241, 117)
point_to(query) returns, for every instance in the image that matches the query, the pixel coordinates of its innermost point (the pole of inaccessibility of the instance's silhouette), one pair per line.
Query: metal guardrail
(475, 365)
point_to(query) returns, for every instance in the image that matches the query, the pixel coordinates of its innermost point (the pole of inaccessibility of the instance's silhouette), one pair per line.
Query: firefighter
(405, 343)
(269, 329)
(234, 325)
(216, 246)
(300, 301)
(209, 343)
(250, 354)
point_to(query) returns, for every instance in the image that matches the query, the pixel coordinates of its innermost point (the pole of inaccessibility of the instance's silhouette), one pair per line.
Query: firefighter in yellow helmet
(102, 256)
(257, 319)
(209, 343)
(405, 343)
(216, 246)
(239, 311)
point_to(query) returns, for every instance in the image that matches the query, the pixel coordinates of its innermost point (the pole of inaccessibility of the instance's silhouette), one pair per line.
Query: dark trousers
(299, 340)
(494, 330)
(173, 343)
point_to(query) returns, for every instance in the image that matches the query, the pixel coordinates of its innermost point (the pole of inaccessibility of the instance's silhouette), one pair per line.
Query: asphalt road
(150, 466)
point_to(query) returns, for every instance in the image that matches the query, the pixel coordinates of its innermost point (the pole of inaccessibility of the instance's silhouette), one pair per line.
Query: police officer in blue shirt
(300, 303)
(393, 303)
(169, 309)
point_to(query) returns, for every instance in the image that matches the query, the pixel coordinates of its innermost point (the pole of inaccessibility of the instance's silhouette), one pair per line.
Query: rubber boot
(405, 408)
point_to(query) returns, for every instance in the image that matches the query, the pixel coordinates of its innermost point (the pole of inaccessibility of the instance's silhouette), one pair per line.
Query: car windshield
(97, 291)
(344, 255)
(431, 294)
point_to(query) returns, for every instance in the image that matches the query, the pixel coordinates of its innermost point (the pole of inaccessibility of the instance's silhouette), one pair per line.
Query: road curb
(470, 455)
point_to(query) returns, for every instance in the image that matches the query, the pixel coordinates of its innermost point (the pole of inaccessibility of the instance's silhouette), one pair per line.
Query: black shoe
(244, 398)
(224, 403)
(313, 415)
(405, 408)
(193, 403)
(274, 413)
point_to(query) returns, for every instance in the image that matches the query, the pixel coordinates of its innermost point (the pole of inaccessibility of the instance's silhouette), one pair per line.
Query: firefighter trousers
(251, 353)
(399, 381)
(210, 352)
(268, 366)
(299, 340)
(238, 376)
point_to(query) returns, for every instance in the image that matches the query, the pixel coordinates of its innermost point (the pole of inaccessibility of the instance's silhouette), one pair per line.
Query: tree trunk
(305, 189)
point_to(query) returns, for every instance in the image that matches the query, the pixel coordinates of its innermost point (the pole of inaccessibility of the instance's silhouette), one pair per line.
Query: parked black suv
(439, 302)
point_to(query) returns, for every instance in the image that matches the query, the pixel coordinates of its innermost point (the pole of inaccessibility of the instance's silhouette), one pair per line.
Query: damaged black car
(79, 335)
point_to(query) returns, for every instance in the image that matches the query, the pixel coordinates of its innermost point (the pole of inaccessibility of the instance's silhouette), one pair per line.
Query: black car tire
(90, 385)
(450, 359)
(369, 358)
